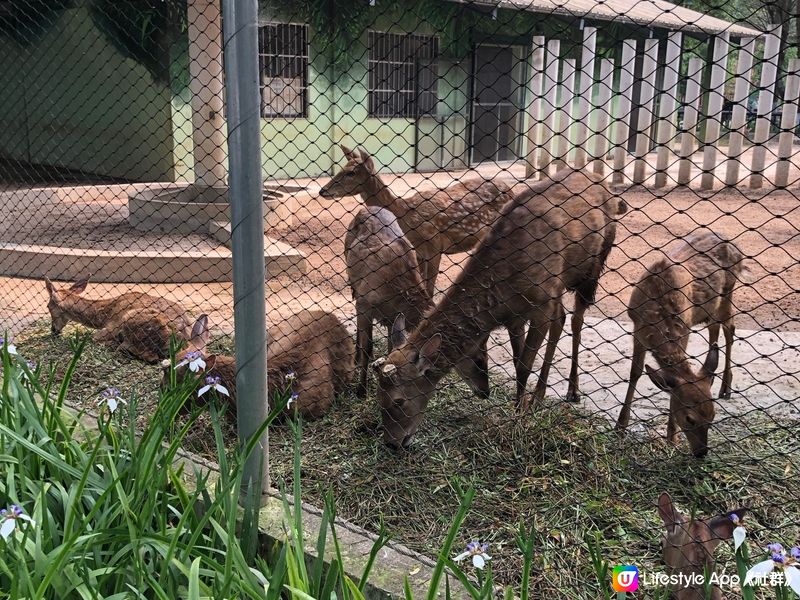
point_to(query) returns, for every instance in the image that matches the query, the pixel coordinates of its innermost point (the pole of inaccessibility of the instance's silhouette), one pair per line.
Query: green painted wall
(71, 100)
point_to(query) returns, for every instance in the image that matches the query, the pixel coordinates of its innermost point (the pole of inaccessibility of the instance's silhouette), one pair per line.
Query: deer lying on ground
(517, 275)
(134, 322)
(689, 546)
(312, 344)
(387, 287)
(436, 222)
(692, 285)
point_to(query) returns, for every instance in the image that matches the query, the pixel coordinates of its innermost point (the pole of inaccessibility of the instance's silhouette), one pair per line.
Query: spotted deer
(516, 276)
(692, 285)
(689, 546)
(134, 322)
(436, 222)
(313, 345)
(387, 287)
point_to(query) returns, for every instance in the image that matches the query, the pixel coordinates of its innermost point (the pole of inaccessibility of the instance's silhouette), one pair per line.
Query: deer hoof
(573, 396)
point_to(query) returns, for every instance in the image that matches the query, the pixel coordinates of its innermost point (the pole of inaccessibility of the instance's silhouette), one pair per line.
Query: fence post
(646, 96)
(204, 30)
(586, 82)
(549, 106)
(535, 84)
(621, 129)
(739, 113)
(668, 107)
(788, 118)
(602, 130)
(566, 100)
(691, 108)
(716, 96)
(769, 72)
(247, 231)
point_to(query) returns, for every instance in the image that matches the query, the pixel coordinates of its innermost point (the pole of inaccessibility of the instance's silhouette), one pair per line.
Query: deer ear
(712, 361)
(668, 513)
(199, 337)
(79, 286)
(348, 153)
(367, 160)
(663, 380)
(428, 352)
(49, 285)
(399, 335)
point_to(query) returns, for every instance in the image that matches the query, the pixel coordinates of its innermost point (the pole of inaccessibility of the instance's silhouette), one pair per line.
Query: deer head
(690, 403)
(57, 301)
(689, 545)
(407, 379)
(196, 343)
(353, 178)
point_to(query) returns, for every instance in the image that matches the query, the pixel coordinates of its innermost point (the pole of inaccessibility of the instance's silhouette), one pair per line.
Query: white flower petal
(478, 562)
(27, 519)
(7, 528)
(738, 537)
(792, 575)
(461, 557)
(12, 349)
(221, 389)
(759, 570)
(112, 404)
(197, 365)
(203, 390)
(182, 363)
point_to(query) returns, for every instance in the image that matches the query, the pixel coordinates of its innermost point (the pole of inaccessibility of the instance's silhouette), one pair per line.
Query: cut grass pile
(560, 468)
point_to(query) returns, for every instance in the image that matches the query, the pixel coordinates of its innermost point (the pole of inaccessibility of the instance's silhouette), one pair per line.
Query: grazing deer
(436, 222)
(311, 344)
(692, 285)
(516, 276)
(689, 546)
(134, 322)
(387, 287)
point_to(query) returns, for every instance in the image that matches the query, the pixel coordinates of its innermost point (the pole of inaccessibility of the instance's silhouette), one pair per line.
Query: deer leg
(533, 342)
(727, 375)
(672, 430)
(363, 349)
(713, 334)
(637, 366)
(516, 335)
(557, 320)
(430, 269)
(573, 392)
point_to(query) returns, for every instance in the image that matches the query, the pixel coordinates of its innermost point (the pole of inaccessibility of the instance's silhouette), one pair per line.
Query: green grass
(561, 471)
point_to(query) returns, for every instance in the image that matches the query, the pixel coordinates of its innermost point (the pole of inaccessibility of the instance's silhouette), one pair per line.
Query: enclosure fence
(448, 185)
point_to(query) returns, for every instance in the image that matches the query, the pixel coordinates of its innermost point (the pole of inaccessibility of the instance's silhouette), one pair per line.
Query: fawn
(692, 285)
(134, 322)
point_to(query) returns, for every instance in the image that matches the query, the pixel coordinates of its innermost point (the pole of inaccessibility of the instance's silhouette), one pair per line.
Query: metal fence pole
(247, 229)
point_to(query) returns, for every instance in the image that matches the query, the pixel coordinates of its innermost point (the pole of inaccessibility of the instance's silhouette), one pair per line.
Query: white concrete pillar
(206, 85)
(716, 96)
(691, 109)
(535, 86)
(646, 97)
(586, 85)
(668, 108)
(566, 100)
(788, 122)
(549, 106)
(623, 109)
(741, 91)
(602, 131)
(769, 72)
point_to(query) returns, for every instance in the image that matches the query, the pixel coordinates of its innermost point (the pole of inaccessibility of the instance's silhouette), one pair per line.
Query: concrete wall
(71, 100)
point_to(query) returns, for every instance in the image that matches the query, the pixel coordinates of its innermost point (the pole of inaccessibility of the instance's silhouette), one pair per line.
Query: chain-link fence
(445, 182)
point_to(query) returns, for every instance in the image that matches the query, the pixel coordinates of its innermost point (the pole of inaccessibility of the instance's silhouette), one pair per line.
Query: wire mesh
(446, 183)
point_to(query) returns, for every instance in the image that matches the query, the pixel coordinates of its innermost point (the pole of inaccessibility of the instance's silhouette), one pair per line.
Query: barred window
(403, 74)
(283, 67)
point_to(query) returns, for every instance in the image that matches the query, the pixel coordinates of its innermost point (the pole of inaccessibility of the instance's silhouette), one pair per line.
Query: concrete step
(281, 258)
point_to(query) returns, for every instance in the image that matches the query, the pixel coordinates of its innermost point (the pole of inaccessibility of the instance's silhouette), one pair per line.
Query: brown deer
(313, 345)
(692, 285)
(436, 222)
(517, 275)
(387, 286)
(689, 546)
(134, 322)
